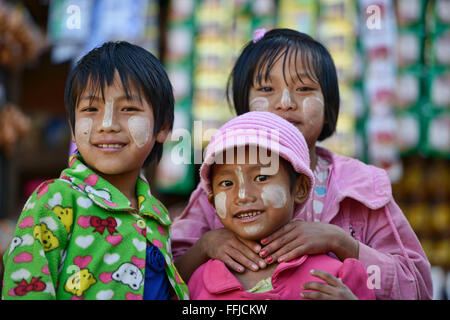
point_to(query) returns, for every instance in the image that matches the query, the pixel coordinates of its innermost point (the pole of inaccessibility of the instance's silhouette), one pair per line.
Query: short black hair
(257, 59)
(133, 64)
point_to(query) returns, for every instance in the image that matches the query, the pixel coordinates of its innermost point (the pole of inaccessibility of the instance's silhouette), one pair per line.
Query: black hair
(257, 59)
(135, 66)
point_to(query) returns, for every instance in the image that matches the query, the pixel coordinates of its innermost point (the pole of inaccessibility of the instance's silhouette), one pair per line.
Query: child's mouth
(110, 146)
(248, 216)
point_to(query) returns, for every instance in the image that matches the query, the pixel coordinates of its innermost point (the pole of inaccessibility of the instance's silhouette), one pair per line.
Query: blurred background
(393, 60)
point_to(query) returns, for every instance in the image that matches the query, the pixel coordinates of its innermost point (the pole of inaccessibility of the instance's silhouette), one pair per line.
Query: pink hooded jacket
(359, 200)
(214, 281)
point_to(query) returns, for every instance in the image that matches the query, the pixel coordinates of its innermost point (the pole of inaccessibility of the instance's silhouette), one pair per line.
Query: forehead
(248, 159)
(292, 63)
(118, 88)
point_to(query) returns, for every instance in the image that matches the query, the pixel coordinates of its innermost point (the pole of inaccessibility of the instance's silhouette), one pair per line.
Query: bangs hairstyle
(136, 67)
(257, 60)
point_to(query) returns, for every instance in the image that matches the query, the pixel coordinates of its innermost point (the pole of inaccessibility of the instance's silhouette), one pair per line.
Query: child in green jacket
(97, 232)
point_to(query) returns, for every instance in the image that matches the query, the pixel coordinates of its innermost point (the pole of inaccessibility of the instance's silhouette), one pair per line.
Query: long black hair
(135, 66)
(257, 59)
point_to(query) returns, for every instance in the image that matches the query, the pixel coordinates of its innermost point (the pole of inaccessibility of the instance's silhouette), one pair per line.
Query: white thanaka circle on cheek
(220, 202)
(241, 193)
(259, 104)
(274, 195)
(139, 129)
(313, 109)
(286, 98)
(83, 129)
(108, 115)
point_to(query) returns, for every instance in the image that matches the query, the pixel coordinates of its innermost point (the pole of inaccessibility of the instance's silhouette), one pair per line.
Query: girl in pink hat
(256, 172)
(351, 213)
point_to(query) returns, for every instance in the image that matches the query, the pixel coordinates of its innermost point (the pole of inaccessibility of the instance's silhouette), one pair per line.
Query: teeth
(248, 214)
(110, 146)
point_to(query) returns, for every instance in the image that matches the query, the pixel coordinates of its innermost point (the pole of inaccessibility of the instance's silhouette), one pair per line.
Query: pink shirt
(359, 200)
(213, 280)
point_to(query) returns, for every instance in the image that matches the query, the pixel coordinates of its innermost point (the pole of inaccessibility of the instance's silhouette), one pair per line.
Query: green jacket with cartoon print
(78, 237)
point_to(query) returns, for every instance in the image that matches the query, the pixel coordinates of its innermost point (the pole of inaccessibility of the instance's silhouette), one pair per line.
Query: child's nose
(244, 195)
(109, 122)
(286, 103)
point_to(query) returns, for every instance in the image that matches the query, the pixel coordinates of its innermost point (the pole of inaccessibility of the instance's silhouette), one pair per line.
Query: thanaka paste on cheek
(313, 109)
(220, 202)
(108, 115)
(139, 129)
(259, 104)
(286, 98)
(83, 129)
(274, 195)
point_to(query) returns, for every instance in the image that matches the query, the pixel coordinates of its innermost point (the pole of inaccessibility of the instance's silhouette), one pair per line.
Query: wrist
(202, 247)
(345, 246)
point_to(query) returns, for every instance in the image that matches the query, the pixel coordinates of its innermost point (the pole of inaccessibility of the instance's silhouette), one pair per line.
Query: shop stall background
(393, 61)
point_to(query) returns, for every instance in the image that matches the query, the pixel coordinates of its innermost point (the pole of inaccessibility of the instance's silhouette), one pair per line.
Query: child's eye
(226, 183)
(265, 89)
(261, 178)
(130, 109)
(305, 89)
(88, 109)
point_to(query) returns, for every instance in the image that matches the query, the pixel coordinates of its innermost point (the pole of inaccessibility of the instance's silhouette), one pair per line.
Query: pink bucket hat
(262, 129)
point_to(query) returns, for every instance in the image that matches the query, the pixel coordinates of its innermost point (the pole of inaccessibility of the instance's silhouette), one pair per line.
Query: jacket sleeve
(196, 219)
(354, 276)
(34, 255)
(393, 256)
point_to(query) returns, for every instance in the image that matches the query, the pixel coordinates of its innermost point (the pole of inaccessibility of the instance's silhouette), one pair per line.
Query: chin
(256, 236)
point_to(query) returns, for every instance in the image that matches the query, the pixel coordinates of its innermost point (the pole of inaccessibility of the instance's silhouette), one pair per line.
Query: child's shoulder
(351, 174)
(54, 188)
(50, 197)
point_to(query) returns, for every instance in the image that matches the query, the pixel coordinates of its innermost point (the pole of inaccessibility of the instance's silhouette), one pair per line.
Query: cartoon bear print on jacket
(48, 240)
(130, 275)
(79, 282)
(65, 215)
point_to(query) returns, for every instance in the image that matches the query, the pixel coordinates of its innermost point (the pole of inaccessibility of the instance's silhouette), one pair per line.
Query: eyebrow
(121, 98)
(303, 77)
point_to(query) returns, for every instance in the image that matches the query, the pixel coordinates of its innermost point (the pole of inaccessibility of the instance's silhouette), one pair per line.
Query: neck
(125, 183)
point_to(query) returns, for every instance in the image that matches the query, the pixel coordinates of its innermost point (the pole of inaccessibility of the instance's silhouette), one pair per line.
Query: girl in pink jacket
(255, 172)
(351, 213)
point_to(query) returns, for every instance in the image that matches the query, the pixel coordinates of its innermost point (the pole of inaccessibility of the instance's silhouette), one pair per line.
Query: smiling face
(114, 135)
(294, 97)
(254, 205)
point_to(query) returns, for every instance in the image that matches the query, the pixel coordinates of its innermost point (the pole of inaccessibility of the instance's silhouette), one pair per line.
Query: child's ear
(301, 189)
(211, 199)
(162, 134)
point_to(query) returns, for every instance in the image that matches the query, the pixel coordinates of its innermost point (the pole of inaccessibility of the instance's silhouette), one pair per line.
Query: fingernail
(312, 271)
(263, 241)
(257, 248)
(280, 259)
(262, 264)
(255, 267)
(262, 253)
(269, 259)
